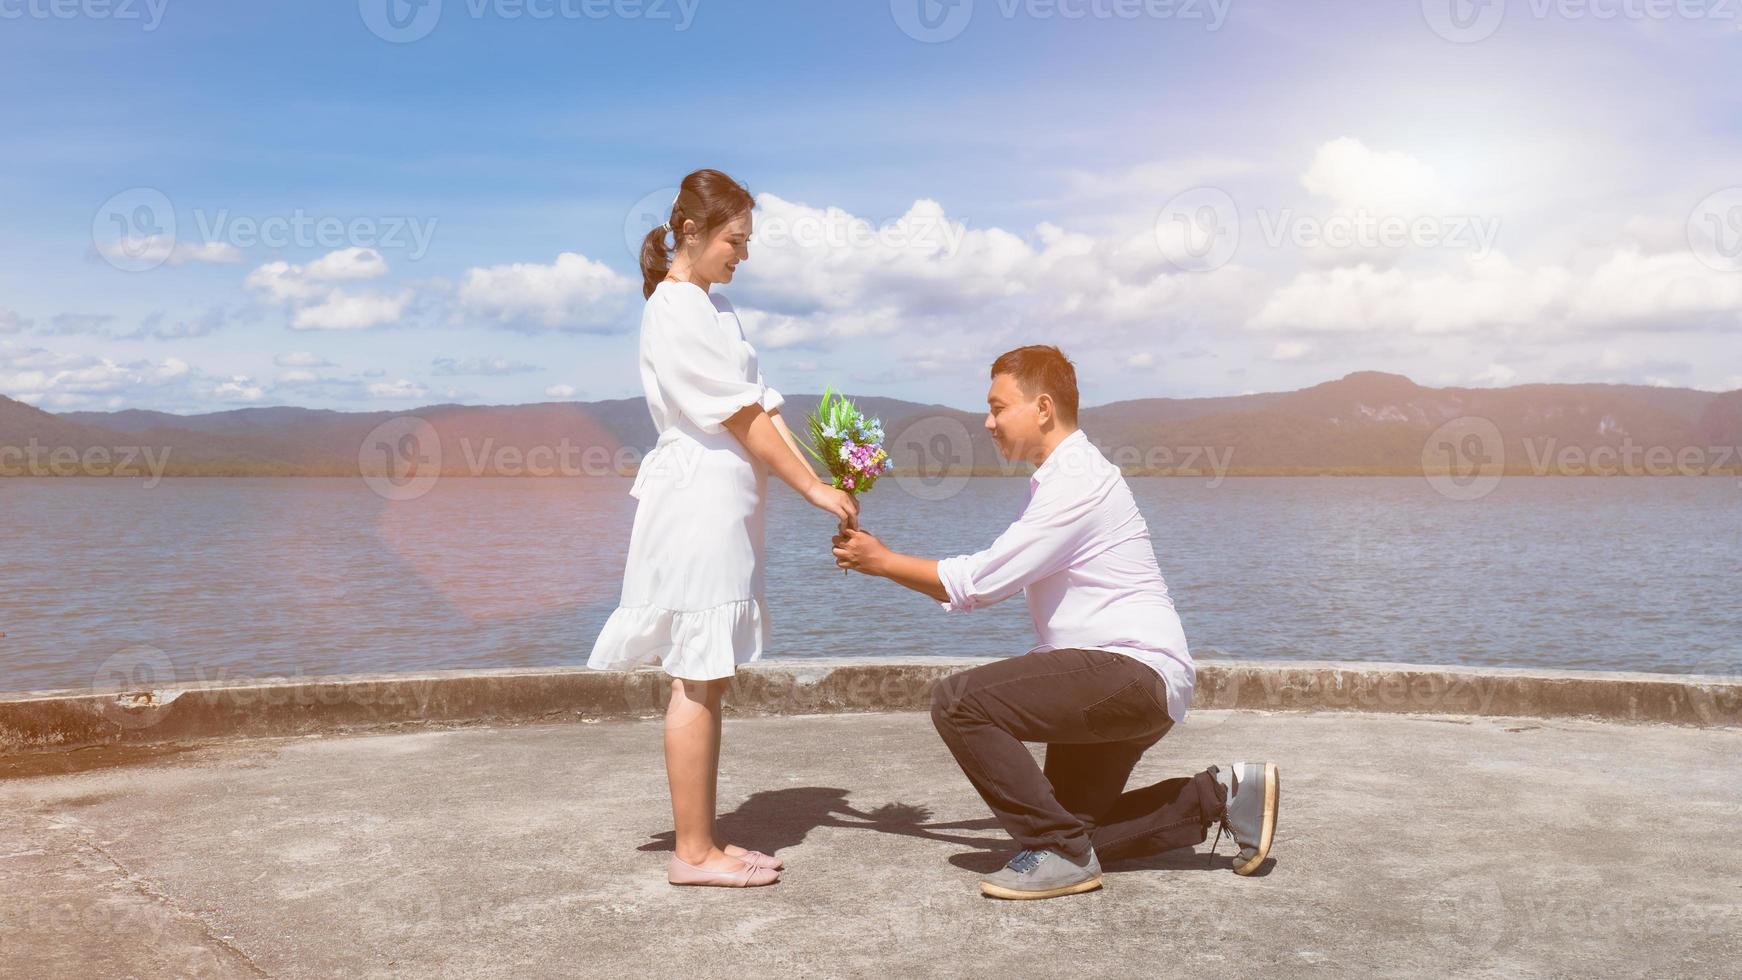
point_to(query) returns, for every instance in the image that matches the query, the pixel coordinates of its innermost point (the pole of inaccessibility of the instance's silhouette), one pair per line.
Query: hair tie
(672, 210)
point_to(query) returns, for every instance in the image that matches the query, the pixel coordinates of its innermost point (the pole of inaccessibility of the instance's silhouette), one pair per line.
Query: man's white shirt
(1081, 553)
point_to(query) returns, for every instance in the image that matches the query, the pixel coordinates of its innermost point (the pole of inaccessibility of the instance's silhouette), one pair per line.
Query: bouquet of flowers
(849, 445)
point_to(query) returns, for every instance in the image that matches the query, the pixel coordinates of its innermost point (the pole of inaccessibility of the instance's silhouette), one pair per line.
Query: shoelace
(1024, 861)
(1221, 821)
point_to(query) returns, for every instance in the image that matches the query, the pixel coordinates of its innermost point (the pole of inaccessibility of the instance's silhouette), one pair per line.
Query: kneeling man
(1110, 676)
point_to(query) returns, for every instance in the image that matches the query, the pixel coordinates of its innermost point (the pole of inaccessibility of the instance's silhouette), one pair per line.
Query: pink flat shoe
(765, 860)
(751, 875)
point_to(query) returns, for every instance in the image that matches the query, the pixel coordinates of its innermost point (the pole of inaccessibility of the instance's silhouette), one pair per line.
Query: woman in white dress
(692, 589)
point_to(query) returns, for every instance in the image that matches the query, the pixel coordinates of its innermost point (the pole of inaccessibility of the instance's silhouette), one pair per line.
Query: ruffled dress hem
(693, 644)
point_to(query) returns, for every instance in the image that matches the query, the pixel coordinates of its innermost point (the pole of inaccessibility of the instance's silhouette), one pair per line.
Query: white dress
(692, 589)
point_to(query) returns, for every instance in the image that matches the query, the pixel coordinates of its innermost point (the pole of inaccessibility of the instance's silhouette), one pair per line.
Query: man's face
(1012, 417)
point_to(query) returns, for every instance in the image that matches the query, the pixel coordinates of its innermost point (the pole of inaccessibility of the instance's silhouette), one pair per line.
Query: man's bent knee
(947, 701)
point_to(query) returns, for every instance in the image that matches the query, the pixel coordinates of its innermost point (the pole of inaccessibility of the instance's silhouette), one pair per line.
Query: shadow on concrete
(775, 819)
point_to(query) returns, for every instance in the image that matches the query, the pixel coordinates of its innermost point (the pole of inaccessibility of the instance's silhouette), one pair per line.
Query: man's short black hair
(1042, 368)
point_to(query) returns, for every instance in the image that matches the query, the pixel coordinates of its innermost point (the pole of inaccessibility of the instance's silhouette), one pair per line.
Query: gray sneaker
(1254, 797)
(1043, 874)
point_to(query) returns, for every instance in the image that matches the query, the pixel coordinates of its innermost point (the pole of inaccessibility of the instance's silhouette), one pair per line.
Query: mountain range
(1366, 423)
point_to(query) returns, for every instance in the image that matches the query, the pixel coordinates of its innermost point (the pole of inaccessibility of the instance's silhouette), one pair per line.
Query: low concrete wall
(64, 720)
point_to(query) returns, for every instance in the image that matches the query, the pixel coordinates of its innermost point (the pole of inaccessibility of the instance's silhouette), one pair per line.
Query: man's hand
(860, 551)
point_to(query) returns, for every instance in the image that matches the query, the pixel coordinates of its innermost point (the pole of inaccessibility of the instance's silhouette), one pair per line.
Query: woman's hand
(837, 502)
(860, 551)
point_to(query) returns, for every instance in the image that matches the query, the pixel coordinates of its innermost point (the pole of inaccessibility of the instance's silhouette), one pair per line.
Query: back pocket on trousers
(1129, 712)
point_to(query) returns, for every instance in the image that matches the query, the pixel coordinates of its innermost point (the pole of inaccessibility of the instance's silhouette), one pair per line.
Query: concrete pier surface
(1408, 845)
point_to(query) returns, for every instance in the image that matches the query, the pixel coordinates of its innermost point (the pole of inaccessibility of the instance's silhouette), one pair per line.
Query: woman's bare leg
(731, 850)
(692, 764)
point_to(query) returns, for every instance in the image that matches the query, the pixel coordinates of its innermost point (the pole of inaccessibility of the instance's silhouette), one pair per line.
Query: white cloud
(1362, 298)
(150, 250)
(1626, 289)
(560, 391)
(347, 264)
(69, 381)
(818, 276)
(1141, 359)
(402, 388)
(1674, 285)
(777, 330)
(283, 282)
(301, 358)
(480, 366)
(352, 311)
(806, 259)
(1496, 376)
(1353, 176)
(153, 327)
(316, 304)
(11, 322)
(1289, 350)
(240, 388)
(572, 293)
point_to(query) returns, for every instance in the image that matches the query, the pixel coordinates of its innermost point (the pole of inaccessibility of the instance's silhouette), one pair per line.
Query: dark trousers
(1097, 712)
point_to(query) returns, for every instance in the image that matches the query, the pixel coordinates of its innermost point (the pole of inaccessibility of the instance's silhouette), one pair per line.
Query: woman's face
(728, 245)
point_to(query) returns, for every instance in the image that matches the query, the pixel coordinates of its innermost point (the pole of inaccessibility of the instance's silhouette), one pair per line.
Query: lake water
(273, 577)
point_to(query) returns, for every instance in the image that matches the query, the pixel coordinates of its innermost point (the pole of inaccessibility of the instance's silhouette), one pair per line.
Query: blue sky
(1192, 198)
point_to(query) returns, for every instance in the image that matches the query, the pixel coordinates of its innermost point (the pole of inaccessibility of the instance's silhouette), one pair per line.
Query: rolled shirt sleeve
(771, 399)
(699, 364)
(1044, 540)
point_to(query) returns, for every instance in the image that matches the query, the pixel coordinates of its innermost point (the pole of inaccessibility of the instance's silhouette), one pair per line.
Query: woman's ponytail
(655, 259)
